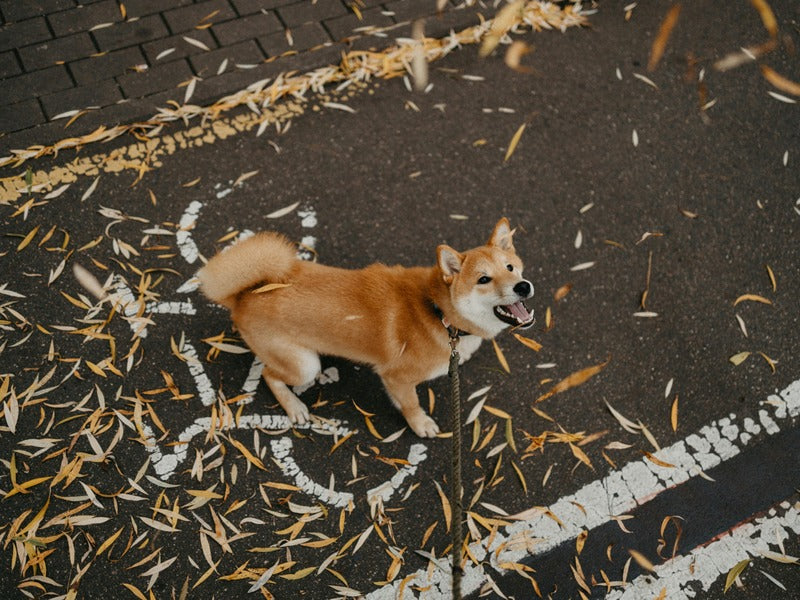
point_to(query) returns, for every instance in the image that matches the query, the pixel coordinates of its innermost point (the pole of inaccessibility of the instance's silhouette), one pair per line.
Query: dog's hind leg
(293, 366)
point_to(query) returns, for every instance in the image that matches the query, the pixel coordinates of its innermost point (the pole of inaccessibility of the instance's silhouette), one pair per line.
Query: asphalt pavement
(649, 449)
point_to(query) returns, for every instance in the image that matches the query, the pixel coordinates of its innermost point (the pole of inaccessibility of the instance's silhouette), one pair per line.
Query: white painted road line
(618, 493)
(685, 576)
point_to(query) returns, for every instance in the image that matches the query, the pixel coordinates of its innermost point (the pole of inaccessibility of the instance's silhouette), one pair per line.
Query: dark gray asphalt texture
(705, 198)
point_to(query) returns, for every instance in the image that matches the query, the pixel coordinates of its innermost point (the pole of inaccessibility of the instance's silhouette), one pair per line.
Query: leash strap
(455, 475)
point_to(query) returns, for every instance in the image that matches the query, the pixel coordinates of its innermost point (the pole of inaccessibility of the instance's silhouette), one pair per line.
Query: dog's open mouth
(516, 315)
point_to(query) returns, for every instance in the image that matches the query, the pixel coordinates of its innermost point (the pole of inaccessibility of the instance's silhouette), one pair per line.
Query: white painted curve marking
(685, 576)
(416, 454)
(183, 236)
(621, 491)
(166, 463)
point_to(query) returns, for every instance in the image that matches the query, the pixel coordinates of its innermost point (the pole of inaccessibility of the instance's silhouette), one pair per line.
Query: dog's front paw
(424, 426)
(297, 412)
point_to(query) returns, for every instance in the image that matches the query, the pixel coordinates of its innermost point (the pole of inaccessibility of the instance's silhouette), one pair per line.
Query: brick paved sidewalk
(123, 60)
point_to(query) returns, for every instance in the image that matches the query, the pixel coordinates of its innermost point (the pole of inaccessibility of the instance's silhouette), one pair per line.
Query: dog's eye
(510, 267)
(484, 279)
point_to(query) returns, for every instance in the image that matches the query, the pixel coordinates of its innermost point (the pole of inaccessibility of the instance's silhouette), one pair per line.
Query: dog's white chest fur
(467, 345)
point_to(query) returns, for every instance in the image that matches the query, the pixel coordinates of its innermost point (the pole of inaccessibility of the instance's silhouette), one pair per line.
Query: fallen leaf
(772, 279)
(767, 17)
(739, 358)
(514, 140)
(780, 82)
(562, 292)
(737, 570)
(664, 31)
(503, 21)
(448, 514)
(283, 211)
(674, 414)
(752, 298)
(528, 342)
(514, 55)
(573, 380)
(642, 560)
(501, 357)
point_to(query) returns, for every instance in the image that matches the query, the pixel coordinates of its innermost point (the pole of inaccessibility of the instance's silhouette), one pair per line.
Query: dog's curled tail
(265, 257)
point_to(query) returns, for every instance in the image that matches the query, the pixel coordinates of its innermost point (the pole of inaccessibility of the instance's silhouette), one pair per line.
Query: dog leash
(455, 474)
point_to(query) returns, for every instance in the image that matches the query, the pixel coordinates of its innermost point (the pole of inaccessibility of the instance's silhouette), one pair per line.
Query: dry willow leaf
(419, 63)
(767, 16)
(780, 82)
(660, 43)
(501, 357)
(562, 292)
(503, 21)
(642, 560)
(753, 298)
(88, 281)
(674, 414)
(573, 380)
(772, 279)
(514, 141)
(448, 513)
(283, 211)
(514, 55)
(528, 342)
(739, 358)
(737, 570)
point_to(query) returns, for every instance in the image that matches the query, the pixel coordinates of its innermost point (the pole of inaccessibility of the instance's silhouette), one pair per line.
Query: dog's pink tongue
(520, 312)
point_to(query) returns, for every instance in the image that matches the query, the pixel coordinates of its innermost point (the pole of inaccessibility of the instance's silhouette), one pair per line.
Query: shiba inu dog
(393, 318)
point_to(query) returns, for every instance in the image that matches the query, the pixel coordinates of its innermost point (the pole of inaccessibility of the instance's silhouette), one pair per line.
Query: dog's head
(486, 283)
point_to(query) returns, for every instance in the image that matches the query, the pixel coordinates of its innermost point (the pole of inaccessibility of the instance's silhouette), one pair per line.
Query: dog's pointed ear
(449, 262)
(502, 235)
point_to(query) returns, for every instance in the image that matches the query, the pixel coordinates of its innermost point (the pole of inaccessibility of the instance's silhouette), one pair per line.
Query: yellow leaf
(642, 560)
(533, 345)
(772, 279)
(753, 298)
(660, 43)
(247, 454)
(445, 506)
(739, 358)
(521, 476)
(581, 455)
(780, 82)
(27, 239)
(735, 572)
(271, 286)
(497, 412)
(514, 141)
(299, 574)
(770, 362)
(573, 380)
(767, 17)
(282, 486)
(74, 301)
(135, 591)
(503, 21)
(514, 55)
(580, 541)
(104, 546)
(656, 461)
(372, 429)
(501, 357)
(674, 414)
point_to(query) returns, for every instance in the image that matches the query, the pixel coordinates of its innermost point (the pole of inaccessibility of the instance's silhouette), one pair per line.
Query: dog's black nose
(524, 288)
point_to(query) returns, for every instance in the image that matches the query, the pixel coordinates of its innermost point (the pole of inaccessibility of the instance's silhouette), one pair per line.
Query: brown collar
(454, 332)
